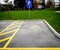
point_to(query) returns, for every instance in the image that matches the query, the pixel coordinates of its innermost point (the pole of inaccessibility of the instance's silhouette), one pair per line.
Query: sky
(2, 1)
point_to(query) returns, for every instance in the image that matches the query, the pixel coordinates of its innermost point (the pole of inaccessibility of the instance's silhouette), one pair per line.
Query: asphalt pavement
(32, 33)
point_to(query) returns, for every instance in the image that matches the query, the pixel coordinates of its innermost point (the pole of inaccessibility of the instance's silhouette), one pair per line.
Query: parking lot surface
(26, 33)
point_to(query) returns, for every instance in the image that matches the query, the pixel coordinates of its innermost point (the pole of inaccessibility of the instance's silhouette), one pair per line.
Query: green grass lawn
(47, 14)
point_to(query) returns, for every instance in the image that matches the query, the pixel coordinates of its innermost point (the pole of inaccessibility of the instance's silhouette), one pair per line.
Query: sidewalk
(57, 11)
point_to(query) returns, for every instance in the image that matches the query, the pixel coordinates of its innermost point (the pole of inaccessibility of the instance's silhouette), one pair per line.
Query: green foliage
(49, 4)
(47, 14)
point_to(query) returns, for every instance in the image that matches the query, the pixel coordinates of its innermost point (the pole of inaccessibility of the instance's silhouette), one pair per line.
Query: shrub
(49, 4)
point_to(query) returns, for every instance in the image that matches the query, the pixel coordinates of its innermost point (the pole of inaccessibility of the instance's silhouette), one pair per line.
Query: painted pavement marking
(6, 33)
(4, 39)
(34, 27)
(11, 26)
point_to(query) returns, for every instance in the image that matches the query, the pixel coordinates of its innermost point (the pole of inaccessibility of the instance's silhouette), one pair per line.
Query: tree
(49, 3)
(10, 5)
(6, 1)
(7, 6)
(19, 4)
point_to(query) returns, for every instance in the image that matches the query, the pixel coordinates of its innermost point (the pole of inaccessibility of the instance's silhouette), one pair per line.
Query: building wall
(38, 2)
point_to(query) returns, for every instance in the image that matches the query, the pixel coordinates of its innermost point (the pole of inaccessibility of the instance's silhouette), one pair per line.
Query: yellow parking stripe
(13, 35)
(53, 48)
(15, 24)
(5, 39)
(8, 27)
(6, 33)
(12, 27)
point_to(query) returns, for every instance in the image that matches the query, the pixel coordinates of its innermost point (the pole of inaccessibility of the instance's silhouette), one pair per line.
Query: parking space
(8, 33)
(27, 33)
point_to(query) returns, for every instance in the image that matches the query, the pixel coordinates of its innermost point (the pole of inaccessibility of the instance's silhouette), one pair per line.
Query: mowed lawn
(47, 14)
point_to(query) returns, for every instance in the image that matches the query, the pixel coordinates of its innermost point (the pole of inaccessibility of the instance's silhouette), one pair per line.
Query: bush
(49, 4)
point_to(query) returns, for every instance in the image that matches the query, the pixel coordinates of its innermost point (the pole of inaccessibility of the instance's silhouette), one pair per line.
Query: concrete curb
(52, 29)
(57, 11)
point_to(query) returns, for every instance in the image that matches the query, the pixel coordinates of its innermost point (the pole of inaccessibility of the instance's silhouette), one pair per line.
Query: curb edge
(52, 29)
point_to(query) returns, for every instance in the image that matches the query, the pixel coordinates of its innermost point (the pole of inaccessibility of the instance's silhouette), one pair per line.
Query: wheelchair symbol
(29, 2)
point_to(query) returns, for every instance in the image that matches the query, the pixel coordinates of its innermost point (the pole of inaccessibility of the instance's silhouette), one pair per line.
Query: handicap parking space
(4, 24)
(28, 33)
(8, 32)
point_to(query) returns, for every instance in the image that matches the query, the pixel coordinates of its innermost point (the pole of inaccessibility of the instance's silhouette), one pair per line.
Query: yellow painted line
(4, 39)
(13, 35)
(30, 48)
(12, 27)
(8, 26)
(15, 24)
(6, 33)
